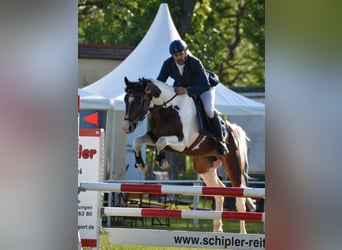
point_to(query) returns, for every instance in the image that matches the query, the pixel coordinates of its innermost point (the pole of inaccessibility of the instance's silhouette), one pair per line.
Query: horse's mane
(157, 82)
(163, 86)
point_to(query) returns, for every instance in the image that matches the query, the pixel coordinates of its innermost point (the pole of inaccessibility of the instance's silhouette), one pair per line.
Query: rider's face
(179, 57)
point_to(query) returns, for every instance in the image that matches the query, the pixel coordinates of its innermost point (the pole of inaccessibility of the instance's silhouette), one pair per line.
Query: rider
(191, 78)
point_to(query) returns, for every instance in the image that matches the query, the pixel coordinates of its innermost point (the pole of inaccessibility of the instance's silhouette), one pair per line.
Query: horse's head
(137, 100)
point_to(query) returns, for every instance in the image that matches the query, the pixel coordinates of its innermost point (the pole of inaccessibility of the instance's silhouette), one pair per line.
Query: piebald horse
(174, 127)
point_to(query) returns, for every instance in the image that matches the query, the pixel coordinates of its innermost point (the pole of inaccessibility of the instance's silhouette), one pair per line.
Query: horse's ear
(144, 82)
(127, 81)
(128, 84)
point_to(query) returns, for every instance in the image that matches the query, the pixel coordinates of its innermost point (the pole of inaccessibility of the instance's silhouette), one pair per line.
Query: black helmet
(177, 46)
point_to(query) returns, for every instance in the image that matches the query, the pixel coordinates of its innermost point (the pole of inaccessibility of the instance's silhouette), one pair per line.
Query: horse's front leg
(162, 142)
(138, 141)
(162, 161)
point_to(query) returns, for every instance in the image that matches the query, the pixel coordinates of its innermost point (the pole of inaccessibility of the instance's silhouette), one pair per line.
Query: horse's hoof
(218, 227)
(220, 230)
(165, 165)
(143, 169)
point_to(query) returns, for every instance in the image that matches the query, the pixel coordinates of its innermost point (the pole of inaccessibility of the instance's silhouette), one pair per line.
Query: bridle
(140, 116)
(138, 93)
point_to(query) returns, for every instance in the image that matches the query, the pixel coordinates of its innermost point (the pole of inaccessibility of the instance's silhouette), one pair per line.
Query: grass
(106, 246)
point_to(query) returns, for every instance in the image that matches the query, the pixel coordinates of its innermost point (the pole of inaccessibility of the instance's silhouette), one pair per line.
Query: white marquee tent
(90, 101)
(145, 61)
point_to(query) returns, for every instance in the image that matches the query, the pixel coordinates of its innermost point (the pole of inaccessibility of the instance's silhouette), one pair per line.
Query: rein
(164, 103)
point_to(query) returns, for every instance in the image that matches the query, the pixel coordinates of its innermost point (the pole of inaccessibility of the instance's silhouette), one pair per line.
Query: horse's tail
(241, 139)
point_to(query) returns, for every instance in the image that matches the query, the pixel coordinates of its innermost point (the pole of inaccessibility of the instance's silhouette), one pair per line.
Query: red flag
(93, 118)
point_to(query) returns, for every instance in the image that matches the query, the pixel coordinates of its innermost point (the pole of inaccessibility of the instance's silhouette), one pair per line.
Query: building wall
(91, 70)
(96, 61)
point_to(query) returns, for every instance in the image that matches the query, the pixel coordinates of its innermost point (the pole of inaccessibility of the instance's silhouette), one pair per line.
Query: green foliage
(114, 22)
(230, 40)
(183, 166)
(228, 36)
(189, 172)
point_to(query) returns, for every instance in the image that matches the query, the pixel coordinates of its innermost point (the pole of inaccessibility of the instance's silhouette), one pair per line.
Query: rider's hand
(181, 90)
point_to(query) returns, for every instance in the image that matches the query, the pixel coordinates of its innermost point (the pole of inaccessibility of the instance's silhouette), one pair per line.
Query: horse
(174, 127)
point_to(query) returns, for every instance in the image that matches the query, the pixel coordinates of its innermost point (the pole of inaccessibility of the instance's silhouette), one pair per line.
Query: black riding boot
(219, 132)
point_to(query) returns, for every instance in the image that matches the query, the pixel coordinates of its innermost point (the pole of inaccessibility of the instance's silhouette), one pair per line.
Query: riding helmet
(177, 46)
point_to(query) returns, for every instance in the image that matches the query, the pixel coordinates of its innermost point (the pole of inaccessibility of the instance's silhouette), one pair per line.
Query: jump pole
(183, 214)
(173, 189)
(151, 237)
(180, 238)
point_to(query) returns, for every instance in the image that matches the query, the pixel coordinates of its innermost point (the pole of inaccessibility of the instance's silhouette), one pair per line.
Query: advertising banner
(90, 169)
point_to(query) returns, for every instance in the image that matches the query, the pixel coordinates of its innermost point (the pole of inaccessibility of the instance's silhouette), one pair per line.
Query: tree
(228, 36)
(114, 21)
(230, 40)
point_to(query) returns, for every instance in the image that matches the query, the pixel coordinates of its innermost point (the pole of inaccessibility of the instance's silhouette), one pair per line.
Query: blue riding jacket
(194, 77)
